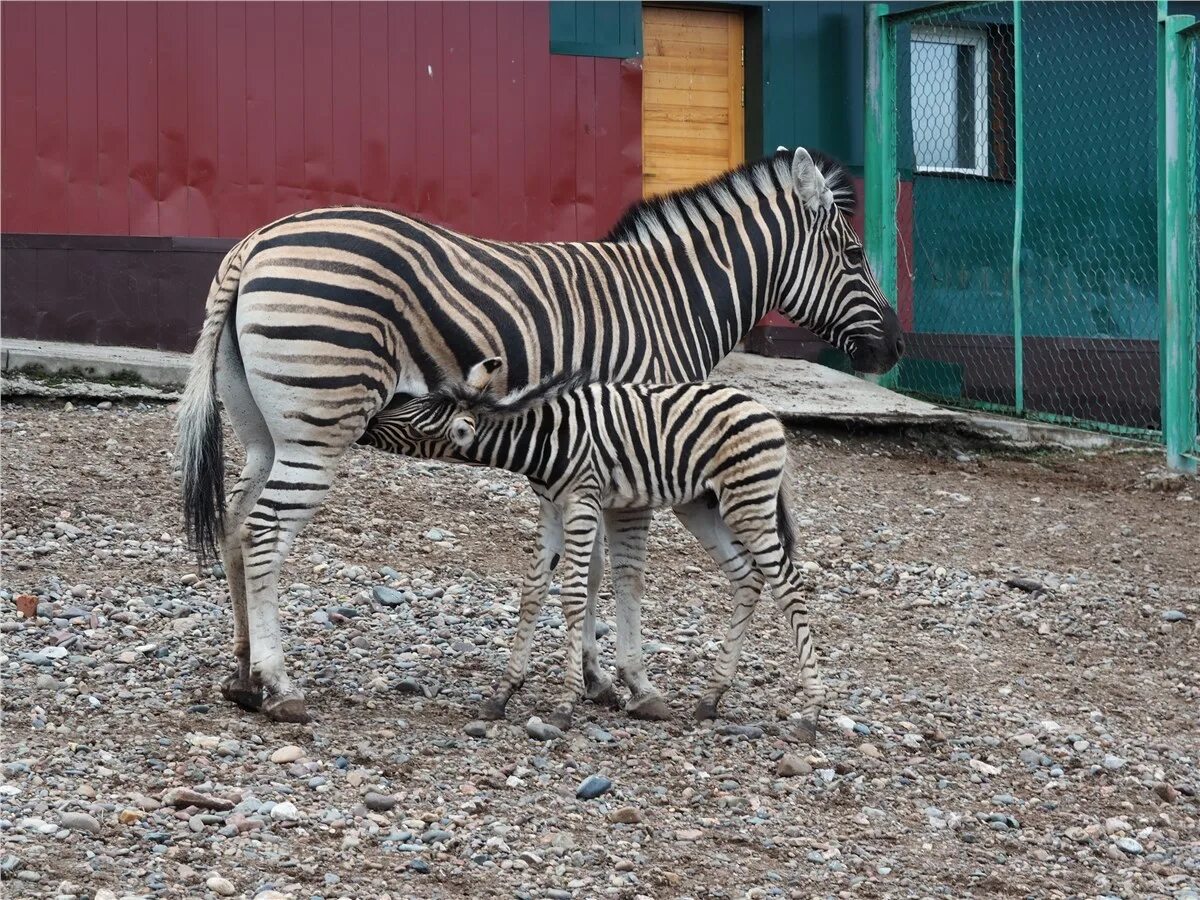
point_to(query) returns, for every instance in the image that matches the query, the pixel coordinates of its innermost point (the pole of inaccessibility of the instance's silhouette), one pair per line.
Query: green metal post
(1018, 209)
(1177, 341)
(879, 169)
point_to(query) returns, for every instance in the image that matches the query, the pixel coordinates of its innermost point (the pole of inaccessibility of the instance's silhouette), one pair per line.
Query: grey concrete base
(797, 391)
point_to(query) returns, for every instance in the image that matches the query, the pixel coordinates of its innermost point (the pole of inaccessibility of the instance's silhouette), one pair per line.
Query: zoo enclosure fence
(1031, 179)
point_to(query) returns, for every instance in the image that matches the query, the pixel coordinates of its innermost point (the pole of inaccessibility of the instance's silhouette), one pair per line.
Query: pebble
(592, 787)
(77, 821)
(182, 798)
(1173, 615)
(790, 766)
(870, 751)
(1112, 762)
(285, 812)
(287, 754)
(689, 834)
(750, 732)
(1130, 846)
(378, 802)
(541, 731)
(476, 729)
(223, 887)
(387, 596)
(626, 815)
(419, 865)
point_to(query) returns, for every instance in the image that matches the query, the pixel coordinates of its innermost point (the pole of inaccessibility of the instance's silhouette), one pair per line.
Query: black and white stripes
(318, 322)
(595, 449)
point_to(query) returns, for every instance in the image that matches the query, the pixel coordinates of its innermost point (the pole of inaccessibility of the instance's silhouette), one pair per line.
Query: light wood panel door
(692, 96)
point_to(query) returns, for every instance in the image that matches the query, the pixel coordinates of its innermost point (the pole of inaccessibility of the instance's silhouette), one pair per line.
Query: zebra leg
(627, 550)
(248, 424)
(533, 593)
(581, 524)
(703, 521)
(754, 524)
(597, 686)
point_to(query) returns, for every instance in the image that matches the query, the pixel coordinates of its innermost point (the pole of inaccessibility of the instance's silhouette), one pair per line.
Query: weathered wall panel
(209, 119)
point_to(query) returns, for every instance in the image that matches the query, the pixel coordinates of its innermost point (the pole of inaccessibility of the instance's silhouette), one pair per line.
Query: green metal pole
(1018, 209)
(879, 163)
(1177, 340)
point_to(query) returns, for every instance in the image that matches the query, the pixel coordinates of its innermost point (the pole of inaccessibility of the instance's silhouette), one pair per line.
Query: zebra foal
(623, 450)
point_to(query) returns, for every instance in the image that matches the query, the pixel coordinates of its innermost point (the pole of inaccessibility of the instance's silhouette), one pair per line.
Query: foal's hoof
(244, 694)
(806, 732)
(705, 710)
(606, 696)
(493, 709)
(652, 708)
(287, 708)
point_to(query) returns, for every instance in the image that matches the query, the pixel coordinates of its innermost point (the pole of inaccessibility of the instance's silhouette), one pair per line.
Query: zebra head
(826, 284)
(437, 418)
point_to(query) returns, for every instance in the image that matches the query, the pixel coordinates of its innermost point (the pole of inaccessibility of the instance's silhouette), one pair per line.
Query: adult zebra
(318, 321)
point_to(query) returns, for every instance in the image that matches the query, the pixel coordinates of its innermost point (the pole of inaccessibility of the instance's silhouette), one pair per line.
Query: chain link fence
(1027, 201)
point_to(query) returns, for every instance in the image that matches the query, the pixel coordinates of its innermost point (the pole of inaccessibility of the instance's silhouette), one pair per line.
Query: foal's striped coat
(628, 449)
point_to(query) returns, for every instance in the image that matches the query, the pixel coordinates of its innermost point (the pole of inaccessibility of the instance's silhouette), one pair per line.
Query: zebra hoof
(493, 708)
(806, 732)
(606, 696)
(243, 693)
(287, 708)
(651, 707)
(705, 710)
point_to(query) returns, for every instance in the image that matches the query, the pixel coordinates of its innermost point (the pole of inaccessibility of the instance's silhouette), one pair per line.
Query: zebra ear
(810, 183)
(480, 375)
(462, 431)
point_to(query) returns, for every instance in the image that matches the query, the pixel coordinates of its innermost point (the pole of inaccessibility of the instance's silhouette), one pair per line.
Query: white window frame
(935, 34)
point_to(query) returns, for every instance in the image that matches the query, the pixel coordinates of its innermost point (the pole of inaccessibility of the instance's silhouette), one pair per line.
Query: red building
(140, 139)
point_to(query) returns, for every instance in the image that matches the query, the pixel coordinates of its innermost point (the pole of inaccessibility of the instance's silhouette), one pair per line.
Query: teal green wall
(1089, 253)
(589, 28)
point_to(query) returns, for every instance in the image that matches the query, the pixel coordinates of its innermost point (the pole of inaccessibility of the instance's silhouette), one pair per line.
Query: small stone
(189, 579)
(750, 732)
(1113, 763)
(1166, 792)
(419, 865)
(130, 816)
(476, 729)
(223, 887)
(541, 731)
(387, 596)
(626, 815)
(435, 534)
(689, 834)
(845, 723)
(27, 605)
(791, 765)
(1130, 846)
(182, 797)
(592, 787)
(1025, 740)
(285, 812)
(10, 864)
(870, 750)
(77, 821)
(1173, 615)
(1029, 585)
(288, 754)
(378, 802)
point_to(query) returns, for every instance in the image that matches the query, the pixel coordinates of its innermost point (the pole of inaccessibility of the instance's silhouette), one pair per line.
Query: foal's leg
(581, 525)
(597, 685)
(627, 531)
(755, 526)
(533, 592)
(702, 520)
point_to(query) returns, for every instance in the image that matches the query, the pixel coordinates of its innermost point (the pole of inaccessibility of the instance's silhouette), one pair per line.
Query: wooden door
(692, 96)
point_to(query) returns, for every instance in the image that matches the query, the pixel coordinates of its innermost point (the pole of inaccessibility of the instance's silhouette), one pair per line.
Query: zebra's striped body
(318, 322)
(628, 449)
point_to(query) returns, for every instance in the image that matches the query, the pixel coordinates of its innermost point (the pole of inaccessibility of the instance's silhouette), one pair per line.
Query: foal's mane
(483, 401)
(775, 170)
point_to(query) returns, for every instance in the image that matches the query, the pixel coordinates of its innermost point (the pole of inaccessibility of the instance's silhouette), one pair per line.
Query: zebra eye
(854, 255)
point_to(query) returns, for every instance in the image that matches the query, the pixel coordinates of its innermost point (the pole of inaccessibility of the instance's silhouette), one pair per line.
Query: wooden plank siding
(693, 78)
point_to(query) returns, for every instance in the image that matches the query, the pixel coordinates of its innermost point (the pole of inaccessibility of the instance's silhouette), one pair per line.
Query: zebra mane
(483, 401)
(771, 172)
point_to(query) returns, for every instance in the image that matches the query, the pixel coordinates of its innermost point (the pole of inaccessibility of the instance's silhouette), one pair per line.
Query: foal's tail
(199, 449)
(787, 528)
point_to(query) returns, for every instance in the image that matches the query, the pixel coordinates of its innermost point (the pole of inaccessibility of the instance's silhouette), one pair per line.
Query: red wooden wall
(208, 119)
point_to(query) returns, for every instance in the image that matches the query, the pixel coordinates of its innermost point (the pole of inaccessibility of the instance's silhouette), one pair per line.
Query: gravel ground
(982, 738)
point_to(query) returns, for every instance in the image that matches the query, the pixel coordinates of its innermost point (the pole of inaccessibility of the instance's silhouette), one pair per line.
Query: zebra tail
(199, 449)
(787, 528)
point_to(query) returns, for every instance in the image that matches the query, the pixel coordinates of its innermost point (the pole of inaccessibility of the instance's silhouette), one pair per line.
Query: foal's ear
(481, 374)
(461, 431)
